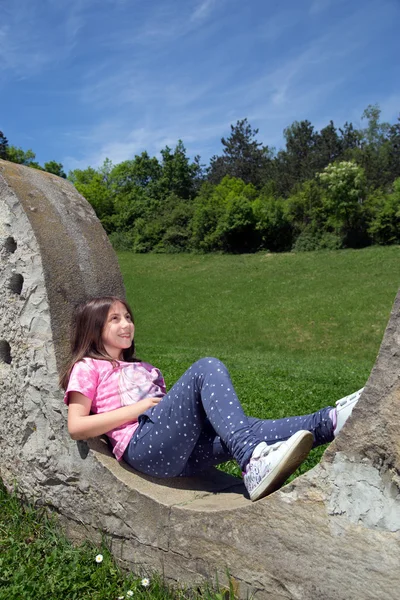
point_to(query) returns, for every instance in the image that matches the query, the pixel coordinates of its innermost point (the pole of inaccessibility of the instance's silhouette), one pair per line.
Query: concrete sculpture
(331, 534)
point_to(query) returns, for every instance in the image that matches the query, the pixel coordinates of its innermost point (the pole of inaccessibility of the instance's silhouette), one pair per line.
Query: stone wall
(333, 533)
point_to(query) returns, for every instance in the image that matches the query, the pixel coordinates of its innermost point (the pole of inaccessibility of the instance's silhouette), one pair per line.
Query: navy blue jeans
(201, 423)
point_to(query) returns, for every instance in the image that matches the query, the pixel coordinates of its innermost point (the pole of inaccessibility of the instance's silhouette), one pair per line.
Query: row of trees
(27, 158)
(331, 188)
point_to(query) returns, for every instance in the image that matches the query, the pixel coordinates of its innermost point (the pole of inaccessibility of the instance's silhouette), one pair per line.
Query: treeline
(27, 158)
(333, 188)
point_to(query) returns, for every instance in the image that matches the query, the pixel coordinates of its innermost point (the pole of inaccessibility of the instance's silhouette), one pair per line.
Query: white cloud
(173, 20)
(142, 76)
(171, 105)
(111, 139)
(203, 10)
(37, 34)
(20, 49)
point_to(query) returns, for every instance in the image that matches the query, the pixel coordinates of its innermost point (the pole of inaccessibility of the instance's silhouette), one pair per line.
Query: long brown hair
(87, 328)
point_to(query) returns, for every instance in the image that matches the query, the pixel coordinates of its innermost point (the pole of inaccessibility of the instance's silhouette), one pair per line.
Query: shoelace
(268, 450)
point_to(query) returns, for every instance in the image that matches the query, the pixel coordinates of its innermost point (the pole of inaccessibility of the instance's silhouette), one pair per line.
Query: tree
(55, 168)
(345, 185)
(376, 132)
(243, 157)
(179, 175)
(207, 211)
(272, 223)
(236, 229)
(394, 150)
(306, 208)
(176, 216)
(328, 147)
(350, 138)
(137, 195)
(92, 184)
(223, 217)
(375, 154)
(3, 146)
(300, 145)
(22, 157)
(296, 163)
(384, 226)
(140, 172)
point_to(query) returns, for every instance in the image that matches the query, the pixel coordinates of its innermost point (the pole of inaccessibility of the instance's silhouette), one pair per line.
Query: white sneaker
(344, 408)
(270, 466)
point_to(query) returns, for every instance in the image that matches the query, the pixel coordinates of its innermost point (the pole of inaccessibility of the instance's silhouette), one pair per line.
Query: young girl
(197, 424)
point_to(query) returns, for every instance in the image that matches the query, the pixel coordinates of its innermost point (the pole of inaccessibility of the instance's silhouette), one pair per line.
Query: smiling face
(118, 331)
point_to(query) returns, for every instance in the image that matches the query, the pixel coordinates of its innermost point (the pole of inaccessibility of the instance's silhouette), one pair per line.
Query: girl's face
(118, 331)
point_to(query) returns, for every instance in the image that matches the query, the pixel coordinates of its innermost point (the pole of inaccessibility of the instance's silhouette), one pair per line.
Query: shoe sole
(350, 399)
(300, 445)
(344, 409)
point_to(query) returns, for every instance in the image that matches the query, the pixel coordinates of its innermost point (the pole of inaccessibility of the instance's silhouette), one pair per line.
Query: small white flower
(129, 593)
(121, 597)
(145, 582)
(99, 558)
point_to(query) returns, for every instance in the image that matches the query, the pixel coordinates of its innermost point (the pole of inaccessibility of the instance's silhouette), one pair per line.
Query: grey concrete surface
(332, 534)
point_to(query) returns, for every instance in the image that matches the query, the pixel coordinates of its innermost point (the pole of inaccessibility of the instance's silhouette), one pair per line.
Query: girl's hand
(148, 403)
(82, 425)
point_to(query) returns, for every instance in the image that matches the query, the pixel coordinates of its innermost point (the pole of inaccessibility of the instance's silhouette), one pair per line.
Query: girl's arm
(82, 425)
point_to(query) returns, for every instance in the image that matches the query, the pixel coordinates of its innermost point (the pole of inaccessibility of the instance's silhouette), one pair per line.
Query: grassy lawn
(333, 303)
(38, 562)
(297, 331)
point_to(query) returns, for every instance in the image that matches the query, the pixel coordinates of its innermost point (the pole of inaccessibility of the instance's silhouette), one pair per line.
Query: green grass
(37, 561)
(297, 331)
(329, 303)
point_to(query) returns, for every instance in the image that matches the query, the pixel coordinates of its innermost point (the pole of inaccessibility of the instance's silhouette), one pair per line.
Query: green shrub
(310, 240)
(384, 226)
(272, 224)
(121, 240)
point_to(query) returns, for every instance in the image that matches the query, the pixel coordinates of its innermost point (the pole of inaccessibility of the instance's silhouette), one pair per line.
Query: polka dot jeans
(200, 423)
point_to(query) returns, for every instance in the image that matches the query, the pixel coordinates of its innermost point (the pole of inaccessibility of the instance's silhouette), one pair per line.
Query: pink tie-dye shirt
(111, 386)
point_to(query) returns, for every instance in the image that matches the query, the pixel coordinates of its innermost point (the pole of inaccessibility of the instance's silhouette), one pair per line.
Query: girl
(197, 424)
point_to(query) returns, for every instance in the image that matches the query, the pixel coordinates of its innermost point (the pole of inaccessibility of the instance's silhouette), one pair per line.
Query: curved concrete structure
(333, 533)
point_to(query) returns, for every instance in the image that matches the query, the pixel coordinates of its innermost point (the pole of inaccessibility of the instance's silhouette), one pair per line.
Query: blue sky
(82, 80)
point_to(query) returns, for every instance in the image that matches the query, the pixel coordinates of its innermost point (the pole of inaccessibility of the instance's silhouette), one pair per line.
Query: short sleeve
(160, 381)
(83, 379)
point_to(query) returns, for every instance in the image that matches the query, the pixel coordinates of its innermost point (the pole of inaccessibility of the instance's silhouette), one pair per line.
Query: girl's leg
(319, 424)
(169, 432)
(210, 450)
(324, 424)
(201, 423)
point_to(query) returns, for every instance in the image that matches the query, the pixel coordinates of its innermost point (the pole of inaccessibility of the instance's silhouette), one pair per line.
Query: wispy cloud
(203, 10)
(126, 75)
(173, 104)
(35, 35)
(123, 145)
(174, 20)
(20, 45)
